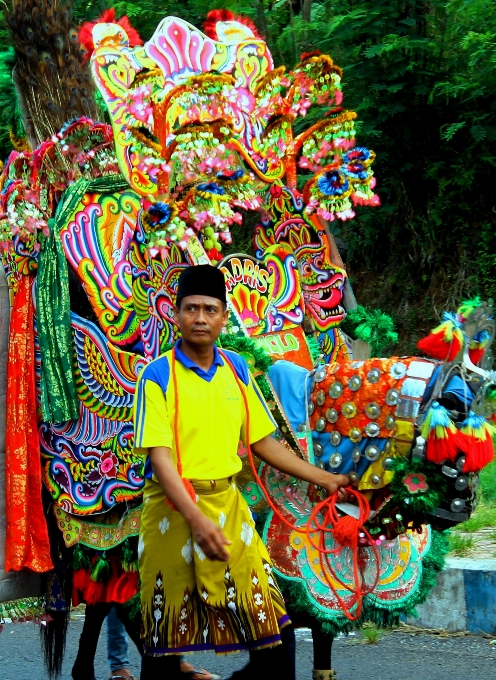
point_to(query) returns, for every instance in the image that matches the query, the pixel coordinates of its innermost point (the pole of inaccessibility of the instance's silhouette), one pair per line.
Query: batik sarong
(190, 603)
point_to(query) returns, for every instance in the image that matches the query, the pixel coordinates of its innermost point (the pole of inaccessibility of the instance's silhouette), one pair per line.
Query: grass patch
(484, 516)
(488, 483)
(371, 634)
(461, 546)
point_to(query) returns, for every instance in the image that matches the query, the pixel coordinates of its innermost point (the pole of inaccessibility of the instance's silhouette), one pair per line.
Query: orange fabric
(120, 587)
(27, 544)
(366, 394)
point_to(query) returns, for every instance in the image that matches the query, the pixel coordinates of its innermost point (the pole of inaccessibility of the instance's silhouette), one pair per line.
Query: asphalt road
(397, 656)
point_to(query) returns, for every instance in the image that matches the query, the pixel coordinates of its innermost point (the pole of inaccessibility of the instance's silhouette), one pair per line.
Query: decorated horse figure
(99, 220)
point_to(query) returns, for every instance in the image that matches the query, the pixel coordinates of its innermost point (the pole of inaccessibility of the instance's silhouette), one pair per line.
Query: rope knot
(346, 531)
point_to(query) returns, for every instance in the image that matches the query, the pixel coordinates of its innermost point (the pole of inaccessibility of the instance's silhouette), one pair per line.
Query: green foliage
(421, 77)
(371, 633)
(10, 117)
(146, 14)
(484, 516)
(460, 545)
(371, 326)
(488, 484)
(258, 360)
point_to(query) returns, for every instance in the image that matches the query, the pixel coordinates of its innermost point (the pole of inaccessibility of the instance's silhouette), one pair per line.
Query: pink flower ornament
(415, 482)
(109, 465)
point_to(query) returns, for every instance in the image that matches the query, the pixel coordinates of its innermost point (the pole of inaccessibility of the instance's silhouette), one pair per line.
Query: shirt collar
(189, 363)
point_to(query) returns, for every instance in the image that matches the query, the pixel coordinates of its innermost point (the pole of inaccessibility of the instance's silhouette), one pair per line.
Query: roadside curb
(464, 598)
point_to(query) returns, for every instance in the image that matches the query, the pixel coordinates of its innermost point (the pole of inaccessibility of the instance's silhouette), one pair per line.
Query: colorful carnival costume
(206, 145)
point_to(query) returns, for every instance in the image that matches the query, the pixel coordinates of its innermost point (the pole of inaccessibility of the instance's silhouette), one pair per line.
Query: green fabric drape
(53, 315)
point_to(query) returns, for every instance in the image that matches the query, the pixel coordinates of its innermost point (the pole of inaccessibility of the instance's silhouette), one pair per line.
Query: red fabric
(479, 452)
(120, 587)
(475, 355)
(435, 346)
(438, 450)
(27, 545)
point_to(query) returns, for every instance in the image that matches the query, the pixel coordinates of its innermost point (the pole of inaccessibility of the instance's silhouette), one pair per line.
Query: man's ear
(176, 316)
(225, 316)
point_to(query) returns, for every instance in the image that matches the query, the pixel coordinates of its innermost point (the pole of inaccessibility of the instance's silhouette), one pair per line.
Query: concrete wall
(464, 598)
(13, 585)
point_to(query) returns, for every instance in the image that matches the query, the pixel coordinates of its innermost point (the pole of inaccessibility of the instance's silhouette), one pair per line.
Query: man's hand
(331, 483)
(206, 533)
(209, 537)
(274, 454)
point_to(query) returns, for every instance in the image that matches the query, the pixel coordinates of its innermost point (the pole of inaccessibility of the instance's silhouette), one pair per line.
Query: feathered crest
(12, 133)
(51, 82)
(108, 17)
(215, 15)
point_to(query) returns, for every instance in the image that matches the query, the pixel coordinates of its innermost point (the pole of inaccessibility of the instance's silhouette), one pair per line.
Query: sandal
(190, 672)
(122, 677)
(323, 675)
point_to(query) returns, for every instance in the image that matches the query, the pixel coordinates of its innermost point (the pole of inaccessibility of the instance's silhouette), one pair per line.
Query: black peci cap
(202, 279)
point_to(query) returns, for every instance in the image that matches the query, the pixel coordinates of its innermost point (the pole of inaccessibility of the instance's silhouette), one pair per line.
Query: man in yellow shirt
(206, 580)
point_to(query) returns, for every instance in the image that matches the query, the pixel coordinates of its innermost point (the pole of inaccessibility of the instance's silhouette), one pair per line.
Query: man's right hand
(210, 538)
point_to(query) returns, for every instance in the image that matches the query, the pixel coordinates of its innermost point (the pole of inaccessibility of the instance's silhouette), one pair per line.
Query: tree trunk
(306, 10)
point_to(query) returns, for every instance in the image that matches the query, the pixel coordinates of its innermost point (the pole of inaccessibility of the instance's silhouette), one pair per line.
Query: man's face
(200, 319)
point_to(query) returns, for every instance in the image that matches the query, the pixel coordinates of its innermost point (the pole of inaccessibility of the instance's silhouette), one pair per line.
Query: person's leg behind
(322, 652)
(84, 665)
(117, 645)
(131, 624)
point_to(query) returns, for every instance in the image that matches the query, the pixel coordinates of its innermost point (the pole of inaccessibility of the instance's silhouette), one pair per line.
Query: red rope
(345, 529)
(186, 482)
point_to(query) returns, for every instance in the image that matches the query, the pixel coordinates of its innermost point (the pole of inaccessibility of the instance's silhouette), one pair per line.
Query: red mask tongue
(332, 300)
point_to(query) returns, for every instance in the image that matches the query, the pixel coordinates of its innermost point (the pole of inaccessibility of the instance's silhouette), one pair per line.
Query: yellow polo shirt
(212, 417)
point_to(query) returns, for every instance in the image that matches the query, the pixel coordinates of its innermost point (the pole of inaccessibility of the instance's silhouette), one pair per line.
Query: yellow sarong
(190, 603)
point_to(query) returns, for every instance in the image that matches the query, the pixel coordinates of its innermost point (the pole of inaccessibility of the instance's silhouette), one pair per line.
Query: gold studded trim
(98, 536)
